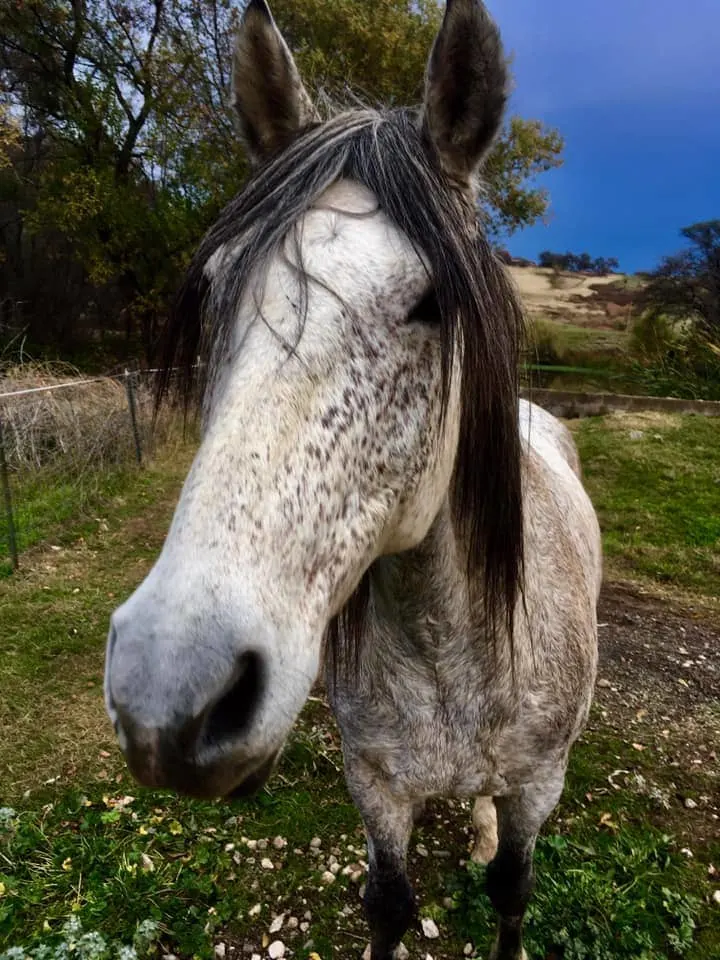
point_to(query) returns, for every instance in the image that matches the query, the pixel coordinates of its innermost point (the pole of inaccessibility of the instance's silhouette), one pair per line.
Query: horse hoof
(484, 851)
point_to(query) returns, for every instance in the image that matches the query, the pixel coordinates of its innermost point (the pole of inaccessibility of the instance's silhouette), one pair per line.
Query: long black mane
(389, 153)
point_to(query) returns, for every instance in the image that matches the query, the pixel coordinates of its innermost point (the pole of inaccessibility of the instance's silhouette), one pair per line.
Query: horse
(371, 500)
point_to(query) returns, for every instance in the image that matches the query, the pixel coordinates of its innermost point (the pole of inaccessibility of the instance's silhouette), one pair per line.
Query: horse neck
(420, 606)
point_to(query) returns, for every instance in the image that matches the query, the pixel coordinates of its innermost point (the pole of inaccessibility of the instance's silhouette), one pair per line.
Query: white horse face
(311, 466)
(324, 445)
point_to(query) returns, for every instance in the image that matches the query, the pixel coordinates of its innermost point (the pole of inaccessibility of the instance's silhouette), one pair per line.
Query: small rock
(276, 950)
(267, 864)
(251, 844)
(335, 868)
(603, 682)
(422, 849)
(254, 911)
(401, 952)
(292, 923)
(367, 953)
(277, 923)
(716, 896)
(468, 949)
(262, 844)
(316, 843)
(304, 926)
(256, 956)
(307, 915)
(279, 843)
(430, 928)
(220, 950)
(690, 804)
(328, 877)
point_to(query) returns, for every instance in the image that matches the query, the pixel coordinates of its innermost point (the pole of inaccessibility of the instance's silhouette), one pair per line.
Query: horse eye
(427, 310)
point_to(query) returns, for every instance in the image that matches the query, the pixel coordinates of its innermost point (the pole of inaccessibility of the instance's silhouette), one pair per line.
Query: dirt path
(659, 691)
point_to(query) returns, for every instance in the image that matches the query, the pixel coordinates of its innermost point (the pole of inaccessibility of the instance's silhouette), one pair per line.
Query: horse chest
(422, 743)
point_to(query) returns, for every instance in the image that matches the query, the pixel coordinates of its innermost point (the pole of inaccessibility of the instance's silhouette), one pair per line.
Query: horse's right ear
(466, 88)
(271, 102)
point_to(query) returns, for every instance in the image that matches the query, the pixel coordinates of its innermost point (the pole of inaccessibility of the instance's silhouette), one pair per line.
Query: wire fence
(66, 444)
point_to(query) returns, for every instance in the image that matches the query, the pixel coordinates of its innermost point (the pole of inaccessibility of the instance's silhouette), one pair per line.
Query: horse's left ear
(271, 102)
(466, 87)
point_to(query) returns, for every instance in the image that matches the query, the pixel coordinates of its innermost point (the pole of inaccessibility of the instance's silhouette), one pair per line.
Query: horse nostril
(232, 713)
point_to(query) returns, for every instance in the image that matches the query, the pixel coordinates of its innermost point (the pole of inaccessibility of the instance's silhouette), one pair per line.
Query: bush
(653, 336)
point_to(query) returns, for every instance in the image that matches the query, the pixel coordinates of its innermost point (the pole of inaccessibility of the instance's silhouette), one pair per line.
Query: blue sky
(634, 87)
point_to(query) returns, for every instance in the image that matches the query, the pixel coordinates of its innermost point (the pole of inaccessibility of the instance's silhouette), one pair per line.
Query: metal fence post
(130, 388)
(5, 483)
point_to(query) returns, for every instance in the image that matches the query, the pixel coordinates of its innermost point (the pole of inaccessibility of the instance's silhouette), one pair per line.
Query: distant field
(655, 482)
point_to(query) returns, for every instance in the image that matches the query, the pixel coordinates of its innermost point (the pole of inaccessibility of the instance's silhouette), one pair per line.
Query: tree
(129, 149)
(686, 285)
(577, 262)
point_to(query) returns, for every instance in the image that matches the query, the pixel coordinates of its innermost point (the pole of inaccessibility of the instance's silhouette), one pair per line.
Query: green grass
(46, 504)
(589, 344)
(655, 482)
(54, 613)
(613, 883)
(630, 888)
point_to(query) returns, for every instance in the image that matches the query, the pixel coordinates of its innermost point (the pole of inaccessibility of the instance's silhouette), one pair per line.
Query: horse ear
(466, 87)
(267, 92)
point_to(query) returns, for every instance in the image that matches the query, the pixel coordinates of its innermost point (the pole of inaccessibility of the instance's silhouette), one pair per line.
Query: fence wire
(65, 445)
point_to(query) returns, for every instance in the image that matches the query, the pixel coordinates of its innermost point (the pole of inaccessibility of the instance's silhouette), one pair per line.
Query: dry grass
(76, 422)
(640, 420)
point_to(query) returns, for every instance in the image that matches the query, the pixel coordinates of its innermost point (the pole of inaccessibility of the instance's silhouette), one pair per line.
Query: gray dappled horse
(369, 492)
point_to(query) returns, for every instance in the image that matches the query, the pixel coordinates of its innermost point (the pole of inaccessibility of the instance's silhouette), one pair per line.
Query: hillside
(578, 299)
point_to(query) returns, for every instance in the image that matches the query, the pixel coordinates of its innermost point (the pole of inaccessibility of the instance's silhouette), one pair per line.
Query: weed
(598, 896)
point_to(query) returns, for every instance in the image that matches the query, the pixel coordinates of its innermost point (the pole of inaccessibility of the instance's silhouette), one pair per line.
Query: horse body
(368, 488)
(435, 706)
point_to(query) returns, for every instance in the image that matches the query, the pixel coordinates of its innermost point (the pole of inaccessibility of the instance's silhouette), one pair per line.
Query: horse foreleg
(510, 875)
(389, 899)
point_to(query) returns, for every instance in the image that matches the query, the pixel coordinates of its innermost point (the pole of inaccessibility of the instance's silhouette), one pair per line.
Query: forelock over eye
(427, 310)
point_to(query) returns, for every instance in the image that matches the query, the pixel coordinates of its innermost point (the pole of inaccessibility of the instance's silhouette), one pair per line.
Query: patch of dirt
(659, 690)
(624, 421)
(580, 299)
